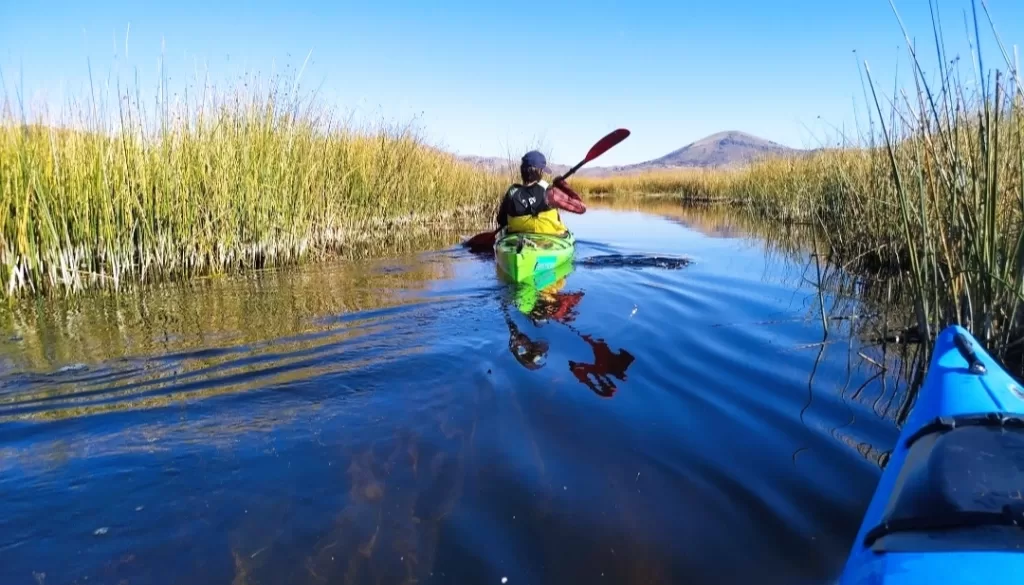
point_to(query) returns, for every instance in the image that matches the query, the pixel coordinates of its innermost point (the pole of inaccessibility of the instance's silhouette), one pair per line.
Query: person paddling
(532, 206)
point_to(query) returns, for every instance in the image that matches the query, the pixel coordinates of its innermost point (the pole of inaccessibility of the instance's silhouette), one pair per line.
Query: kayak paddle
(602, 146)
(486, 239)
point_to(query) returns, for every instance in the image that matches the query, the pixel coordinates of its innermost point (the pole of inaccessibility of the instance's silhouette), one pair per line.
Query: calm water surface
(417, 420)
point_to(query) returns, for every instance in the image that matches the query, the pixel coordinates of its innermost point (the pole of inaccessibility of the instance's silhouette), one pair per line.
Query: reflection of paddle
(486, 239)
(597, 376)
(606, 363)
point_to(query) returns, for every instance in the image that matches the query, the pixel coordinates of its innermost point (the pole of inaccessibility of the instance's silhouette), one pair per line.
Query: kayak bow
(949, 507)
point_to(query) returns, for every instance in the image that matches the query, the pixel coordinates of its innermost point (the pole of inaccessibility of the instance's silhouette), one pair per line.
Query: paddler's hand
(564, 187)
(562, 197)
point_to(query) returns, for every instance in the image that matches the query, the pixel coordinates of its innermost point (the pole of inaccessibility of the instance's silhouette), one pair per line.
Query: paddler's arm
(561, 184)
(561, 196)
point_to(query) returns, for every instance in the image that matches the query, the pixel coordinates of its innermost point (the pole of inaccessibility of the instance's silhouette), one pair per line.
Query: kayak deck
(949, 506)
(522, 255)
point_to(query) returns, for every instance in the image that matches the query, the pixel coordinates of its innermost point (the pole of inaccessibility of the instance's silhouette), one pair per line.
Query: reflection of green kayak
(528, 291)
(522, 255)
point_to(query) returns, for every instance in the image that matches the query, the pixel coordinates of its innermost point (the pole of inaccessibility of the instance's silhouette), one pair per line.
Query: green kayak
(522, 255)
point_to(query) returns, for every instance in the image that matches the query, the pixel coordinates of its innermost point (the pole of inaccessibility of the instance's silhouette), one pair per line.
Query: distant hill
(725, 149)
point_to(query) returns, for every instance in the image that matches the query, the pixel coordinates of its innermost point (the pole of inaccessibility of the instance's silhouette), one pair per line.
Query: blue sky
(489, 78)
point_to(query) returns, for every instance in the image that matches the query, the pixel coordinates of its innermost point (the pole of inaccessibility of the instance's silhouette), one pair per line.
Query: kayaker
(532, 206)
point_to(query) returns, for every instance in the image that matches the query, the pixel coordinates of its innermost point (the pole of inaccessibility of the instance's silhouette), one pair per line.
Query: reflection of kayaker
(552, 304)
(529, 353)
(605, 363)
(557, 306)
(539, 307)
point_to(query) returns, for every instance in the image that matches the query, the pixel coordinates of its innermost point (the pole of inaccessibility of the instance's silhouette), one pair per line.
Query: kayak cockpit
(961, 487)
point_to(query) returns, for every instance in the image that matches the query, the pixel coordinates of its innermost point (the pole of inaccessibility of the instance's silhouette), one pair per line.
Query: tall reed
(935, 198)
(956, 173)
(252, 176)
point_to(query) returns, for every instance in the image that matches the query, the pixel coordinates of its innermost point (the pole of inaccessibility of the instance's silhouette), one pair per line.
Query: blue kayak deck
(946, 506)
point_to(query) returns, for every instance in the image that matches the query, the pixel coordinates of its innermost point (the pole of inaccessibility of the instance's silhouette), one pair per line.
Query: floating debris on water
(101, 531)
(635, 261)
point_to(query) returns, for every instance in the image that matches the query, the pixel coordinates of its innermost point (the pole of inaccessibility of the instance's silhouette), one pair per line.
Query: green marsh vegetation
(119, 189)
(929, 198)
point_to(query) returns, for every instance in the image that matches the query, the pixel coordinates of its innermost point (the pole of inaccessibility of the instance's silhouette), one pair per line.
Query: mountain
(725, 149)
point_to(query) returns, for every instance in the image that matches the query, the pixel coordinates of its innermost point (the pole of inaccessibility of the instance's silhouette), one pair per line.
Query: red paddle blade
(605, 143)
(562, 197)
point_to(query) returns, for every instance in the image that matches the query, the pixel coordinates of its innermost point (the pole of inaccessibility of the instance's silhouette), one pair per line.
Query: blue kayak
(949, 507)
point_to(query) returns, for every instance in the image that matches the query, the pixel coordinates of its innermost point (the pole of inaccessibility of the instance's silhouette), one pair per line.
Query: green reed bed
(239, 179)
(933, 197)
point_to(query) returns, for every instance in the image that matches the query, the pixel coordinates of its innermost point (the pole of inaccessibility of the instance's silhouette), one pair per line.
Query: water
(406, 421)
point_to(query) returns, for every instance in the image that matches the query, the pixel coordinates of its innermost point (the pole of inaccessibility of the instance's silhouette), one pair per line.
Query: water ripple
(667, 410)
